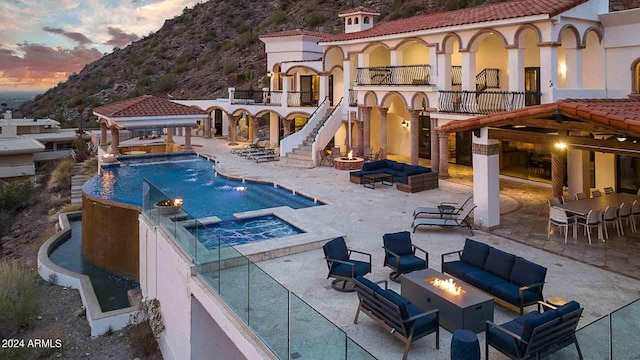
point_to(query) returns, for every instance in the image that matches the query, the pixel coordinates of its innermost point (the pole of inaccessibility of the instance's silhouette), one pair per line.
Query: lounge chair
(460, 220)
(246, 146)
(249, 150)
(272, 155)
(266, 151)
(445, 208)
(341, 267)
(400, 254)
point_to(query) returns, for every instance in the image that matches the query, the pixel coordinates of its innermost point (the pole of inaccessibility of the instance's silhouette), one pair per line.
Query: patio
(388, 210)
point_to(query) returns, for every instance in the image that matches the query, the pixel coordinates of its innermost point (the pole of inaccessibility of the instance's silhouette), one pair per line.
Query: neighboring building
(24, 143)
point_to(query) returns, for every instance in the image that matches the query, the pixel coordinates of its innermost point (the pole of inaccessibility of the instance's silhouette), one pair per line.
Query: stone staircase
(76, 185)
(301, 155)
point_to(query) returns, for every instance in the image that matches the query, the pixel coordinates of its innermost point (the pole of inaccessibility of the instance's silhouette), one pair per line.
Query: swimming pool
(240, 232)
(193, 179)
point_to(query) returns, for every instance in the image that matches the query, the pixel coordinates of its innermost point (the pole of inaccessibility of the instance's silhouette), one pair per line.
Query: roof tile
(146, 105)
(294, 32)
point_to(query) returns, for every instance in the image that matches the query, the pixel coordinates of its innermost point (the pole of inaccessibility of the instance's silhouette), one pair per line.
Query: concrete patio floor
(365, 215)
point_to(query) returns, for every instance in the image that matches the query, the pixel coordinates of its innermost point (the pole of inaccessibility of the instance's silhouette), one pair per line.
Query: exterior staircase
(301, 155)
(76, 185)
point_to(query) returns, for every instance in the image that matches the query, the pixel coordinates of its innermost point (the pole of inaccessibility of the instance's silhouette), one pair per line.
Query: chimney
(7, 115)
(358, 19)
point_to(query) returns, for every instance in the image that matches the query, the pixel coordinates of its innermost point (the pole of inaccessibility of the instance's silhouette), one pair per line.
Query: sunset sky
(42, 42)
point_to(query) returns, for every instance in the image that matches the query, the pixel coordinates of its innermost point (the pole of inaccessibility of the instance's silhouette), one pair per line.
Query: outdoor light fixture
(560, 146)
(270, 74)
(621, 138)
(405, 125)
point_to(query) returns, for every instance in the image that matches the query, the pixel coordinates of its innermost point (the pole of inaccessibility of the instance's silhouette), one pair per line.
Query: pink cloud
(75, 36)
(120, 38)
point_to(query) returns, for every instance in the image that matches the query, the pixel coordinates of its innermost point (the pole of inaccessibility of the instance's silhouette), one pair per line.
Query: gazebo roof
(145, 106)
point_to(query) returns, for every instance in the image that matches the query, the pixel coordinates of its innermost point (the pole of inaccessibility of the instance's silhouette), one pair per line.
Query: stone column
(435, 146)
(366, 126)
(169, 139)
(254, 125)
(207, 127)
(274, 128)
(360, 137)
(286, 125)
(486, 180)
(414, 132)
(232, 130)
(578, 166)
(103, 135)
(557, 171)
(444, 154)
(187, 138)
(383, 131)
(115, 140)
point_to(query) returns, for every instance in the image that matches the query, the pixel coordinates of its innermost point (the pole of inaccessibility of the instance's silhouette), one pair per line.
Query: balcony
(410, 75)
(303, 98)
(353, 97)
(257, 97)
(485, 102)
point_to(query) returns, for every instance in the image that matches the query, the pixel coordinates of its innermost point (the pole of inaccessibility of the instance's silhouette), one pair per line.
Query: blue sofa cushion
(374, 165)
(509, 292)
(399, 167)
(525, 272)
(521, 319)
(567, 308)
(408, 263)
(413, 172)
(483, 280)
(475, 253)
(424, 325)
(534, 321)
(344, 270)
(398, 300)
(370, 284)
(458, 268)
(336, 249)
(398, 242)
(402, 179)
(504, 342)
(499, 263)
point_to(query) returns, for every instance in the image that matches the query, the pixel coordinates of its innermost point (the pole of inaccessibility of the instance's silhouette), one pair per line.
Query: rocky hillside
(208, 48)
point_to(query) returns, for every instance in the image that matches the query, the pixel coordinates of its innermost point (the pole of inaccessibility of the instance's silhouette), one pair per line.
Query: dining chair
(635, 211)
(559, 218)
(609, 190)
(566, 199)
(581, 196)
(596, 193)
(591, 220)
(554, 201)
(624, 212)
(610, 214)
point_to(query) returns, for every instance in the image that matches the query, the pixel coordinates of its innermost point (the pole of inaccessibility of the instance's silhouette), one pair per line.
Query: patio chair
(609, 215)
(260, 147)
(554, 201)
(566, 199)
(341, 267)
(269, 156)
(559, 218)
(581, 196)
(460, 220)
(609, 190)
(246, 146)
(325, 158)
(445, 208)
(635, 211)
(596, 193)
(591, 220)
(624, 213)
(260, 152)
(400, 254)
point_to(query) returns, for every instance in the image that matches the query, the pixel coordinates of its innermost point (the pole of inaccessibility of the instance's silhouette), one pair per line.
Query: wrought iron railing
(488, 78)
(257, 97)
(353, 97)
(456, 75)
(394, 75)
(303, 98)
(483, 102)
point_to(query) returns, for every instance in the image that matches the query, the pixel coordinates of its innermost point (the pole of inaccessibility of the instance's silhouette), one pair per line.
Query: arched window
(635, 76)
(349, 21)
(366, 19)
(355, 21)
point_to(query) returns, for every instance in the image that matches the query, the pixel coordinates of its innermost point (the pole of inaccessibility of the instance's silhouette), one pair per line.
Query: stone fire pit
(344, 163)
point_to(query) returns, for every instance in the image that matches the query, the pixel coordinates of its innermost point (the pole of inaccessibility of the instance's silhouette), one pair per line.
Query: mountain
(208, 48)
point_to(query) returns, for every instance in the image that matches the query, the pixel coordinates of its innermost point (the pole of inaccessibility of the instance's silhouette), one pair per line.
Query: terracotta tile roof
(294, 32)
(621, 114)
(488, 12)
(146, 105)
(359, 9)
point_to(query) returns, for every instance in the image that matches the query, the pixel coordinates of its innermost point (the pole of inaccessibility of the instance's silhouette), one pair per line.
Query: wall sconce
(270, 74)
(563, 69)
(560, 146)
(621, 138)
(405, 125)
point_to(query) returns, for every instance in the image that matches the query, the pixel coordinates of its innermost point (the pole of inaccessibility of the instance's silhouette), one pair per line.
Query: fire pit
(447, 285)
(349, 162)
(168, 207)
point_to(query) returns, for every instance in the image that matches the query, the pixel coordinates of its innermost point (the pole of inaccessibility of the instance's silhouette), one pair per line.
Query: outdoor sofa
(408, 178)
(396, 313)
(507, 277)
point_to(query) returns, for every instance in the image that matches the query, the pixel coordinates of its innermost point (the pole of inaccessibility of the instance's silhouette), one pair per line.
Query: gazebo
(147, 112)
(571, 127)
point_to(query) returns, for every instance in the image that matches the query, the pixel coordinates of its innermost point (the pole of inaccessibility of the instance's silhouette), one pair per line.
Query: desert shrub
(16, 196)
(247, 38)
(315, 19)
(61, 175)
(166, 82)
(229, 67)
(90, 167)
(227, 45)
(5, 222)
(18, 300)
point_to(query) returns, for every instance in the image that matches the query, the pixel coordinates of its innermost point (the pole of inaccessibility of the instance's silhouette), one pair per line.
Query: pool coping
(99, 321)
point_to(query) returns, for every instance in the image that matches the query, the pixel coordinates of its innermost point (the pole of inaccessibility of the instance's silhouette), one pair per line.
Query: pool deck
(364, 215)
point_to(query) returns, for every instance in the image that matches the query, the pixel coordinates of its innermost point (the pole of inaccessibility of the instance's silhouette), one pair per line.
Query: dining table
(582, 207)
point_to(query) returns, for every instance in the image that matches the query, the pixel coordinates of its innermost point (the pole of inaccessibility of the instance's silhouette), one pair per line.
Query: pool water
(193, 179)
(240, 232)
(111, 289)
